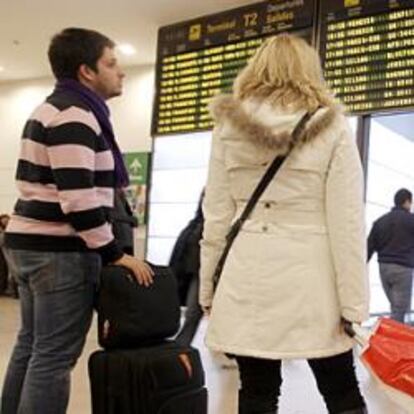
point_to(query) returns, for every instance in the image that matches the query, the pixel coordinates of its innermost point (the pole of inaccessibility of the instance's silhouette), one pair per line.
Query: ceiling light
(127, 49)
(1, 68)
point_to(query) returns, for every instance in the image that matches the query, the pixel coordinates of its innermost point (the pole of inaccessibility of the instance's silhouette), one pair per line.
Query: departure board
(368, 52)
(201, 58)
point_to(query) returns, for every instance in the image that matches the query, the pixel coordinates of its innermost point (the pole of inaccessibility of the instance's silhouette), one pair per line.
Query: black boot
(248, 405)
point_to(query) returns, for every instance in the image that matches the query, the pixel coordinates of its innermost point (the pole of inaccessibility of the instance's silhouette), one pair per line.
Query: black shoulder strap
(259, 190)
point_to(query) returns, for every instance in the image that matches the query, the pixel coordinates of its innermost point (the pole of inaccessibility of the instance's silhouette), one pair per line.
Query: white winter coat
(299, 263)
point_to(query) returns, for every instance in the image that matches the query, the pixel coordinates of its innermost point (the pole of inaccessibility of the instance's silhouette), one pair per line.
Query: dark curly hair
(73, 47)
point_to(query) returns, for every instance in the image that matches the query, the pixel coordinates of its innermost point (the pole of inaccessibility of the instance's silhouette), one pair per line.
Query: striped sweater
(65, 178)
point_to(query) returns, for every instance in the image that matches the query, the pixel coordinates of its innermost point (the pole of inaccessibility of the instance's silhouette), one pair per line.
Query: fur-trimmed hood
(269, 126)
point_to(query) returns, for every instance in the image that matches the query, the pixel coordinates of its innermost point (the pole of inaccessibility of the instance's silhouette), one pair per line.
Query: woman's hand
(347, 327)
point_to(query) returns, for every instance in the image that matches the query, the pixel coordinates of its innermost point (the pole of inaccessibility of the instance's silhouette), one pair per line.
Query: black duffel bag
(132, 315)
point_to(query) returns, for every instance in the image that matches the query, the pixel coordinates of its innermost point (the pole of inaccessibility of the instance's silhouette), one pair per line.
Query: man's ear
(86, 73)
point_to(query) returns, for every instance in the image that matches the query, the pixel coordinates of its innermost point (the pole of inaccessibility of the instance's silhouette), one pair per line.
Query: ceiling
(26, 27)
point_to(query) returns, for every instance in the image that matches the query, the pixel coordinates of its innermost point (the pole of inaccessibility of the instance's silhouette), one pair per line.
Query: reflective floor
(299, 394)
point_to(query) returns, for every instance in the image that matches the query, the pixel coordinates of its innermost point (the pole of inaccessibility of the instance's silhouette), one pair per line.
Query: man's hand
(141, 270)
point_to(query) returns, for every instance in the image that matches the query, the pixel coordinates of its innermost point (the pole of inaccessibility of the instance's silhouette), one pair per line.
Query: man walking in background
(392, 237)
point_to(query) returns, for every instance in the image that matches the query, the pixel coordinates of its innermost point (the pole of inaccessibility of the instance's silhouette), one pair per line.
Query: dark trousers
(335, 376)
(193, 315)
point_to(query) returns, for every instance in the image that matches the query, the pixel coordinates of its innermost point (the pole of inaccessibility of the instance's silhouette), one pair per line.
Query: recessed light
(1, 68)
(127, 49)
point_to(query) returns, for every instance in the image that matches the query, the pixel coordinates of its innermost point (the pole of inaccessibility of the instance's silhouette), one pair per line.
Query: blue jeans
(397, 282)
(56, 295)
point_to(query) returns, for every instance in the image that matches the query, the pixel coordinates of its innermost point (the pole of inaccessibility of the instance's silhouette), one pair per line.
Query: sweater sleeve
(72, 151)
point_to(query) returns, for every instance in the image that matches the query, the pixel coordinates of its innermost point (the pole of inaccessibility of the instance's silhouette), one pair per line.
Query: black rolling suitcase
(163, 379)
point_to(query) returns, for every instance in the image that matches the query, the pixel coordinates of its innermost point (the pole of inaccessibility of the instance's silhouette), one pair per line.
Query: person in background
(392, 238)
(8, 284)
(4, 267)
(125, 221)
(60, 232)
(295, 276)
(185, 263)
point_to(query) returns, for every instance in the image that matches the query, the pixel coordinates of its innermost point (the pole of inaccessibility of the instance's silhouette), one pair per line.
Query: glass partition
(179, 173)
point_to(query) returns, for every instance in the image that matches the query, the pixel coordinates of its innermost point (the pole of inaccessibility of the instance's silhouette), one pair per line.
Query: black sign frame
(230, 28)
(376, 80)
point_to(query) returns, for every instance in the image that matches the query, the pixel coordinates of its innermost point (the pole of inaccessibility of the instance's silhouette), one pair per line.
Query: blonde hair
(286, 71)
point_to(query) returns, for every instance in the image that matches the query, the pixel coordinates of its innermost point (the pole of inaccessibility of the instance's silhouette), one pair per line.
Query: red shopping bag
(389, 353)
(396, 330)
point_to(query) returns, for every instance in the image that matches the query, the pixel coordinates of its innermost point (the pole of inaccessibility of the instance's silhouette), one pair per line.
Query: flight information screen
(200, 58)
(367, 48)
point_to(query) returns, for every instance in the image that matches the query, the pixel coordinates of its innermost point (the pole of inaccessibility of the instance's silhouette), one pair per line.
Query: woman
(296, 270)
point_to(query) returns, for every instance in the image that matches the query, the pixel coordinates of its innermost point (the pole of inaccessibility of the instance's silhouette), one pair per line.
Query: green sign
(137, 165)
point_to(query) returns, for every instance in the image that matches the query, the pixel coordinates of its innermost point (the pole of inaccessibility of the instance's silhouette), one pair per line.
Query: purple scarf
(101, 111)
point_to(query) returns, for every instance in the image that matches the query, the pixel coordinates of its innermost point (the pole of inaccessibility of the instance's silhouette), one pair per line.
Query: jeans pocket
(57, 271)
(76, 270)
(35, 269)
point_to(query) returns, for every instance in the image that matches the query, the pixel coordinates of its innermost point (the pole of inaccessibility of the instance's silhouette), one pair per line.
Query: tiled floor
(299, 395)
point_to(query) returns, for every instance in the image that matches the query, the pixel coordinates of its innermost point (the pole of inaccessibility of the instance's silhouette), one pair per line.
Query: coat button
(267, 205)
(265, 228)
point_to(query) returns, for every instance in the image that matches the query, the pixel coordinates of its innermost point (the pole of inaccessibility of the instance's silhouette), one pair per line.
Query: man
(69, 167)
(392, 237)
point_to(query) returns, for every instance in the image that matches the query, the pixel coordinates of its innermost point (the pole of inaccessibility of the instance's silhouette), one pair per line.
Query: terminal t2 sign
(200, 58)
